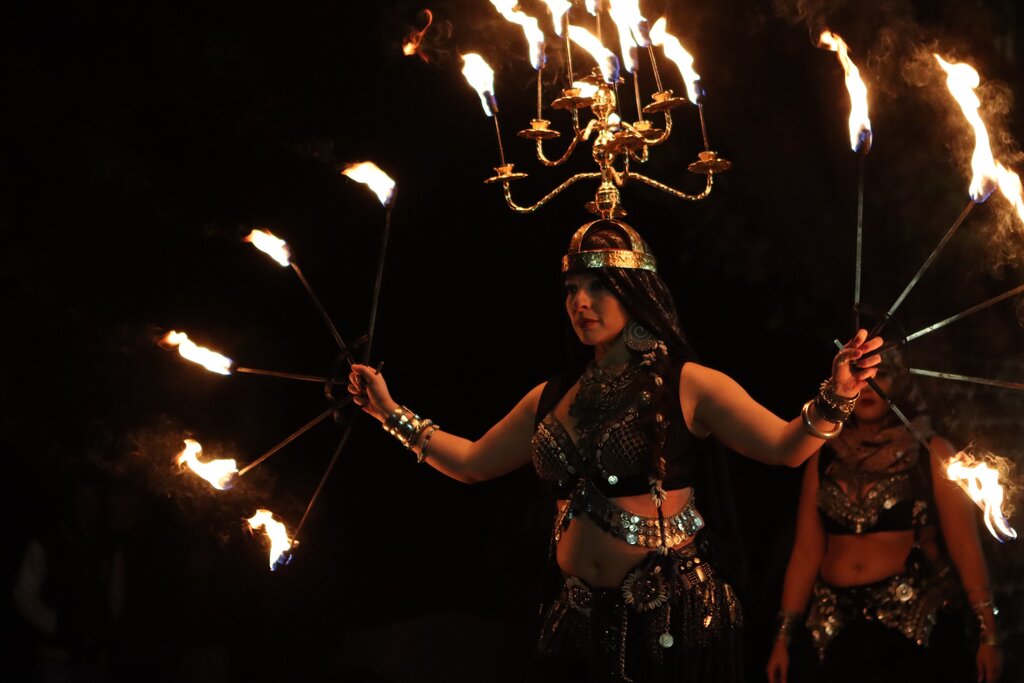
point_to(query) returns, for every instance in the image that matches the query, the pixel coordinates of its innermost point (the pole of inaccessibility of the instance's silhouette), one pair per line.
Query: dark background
(143, 140)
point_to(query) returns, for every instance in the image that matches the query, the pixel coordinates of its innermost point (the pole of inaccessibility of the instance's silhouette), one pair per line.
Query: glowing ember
(275, 531)
(411, 45)
(632, 28)
(558, 9)
(980, 480)
(606, 59)
(481, 78)
(860, 124)
(534, 36)
(367, 173)
(274, 247)
(211, 360)
(219, 473)
(683, 59)
(961, 80)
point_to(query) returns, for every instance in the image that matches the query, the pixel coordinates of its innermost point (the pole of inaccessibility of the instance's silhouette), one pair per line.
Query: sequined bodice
(894, 501)
(616, 456)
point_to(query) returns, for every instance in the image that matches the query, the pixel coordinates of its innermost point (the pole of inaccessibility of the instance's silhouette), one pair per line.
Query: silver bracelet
(404, 425)
(814, 431)
(422, 455)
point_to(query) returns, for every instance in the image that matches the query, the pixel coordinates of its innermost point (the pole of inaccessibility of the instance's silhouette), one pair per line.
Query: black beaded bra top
(612, 451)
(851, 501)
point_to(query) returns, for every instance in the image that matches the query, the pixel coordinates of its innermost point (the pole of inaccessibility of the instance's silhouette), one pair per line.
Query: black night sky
(142, 141)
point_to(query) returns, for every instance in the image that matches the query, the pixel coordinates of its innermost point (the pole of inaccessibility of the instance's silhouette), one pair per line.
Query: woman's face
(870, 407)
(596, 314)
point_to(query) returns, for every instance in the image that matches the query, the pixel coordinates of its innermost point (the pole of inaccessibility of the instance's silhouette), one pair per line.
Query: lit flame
(219, 473)
(591, 6)
(411, 45)
(606, 59)
(558, 10)
(683, 59)
(274, 247)
(367, 173)
(981, 482)
(481, 78)
(275, 531)
(1010, 186)
(586, 89)
(860, 124)
(211, 360)
(961, 80)
(534, 36)
(632, 28)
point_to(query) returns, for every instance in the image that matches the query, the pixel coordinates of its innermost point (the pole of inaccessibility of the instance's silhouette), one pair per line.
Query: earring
(638, 338)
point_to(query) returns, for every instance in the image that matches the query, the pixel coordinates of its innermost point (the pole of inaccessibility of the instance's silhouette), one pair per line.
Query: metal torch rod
(299, 432)
(964, 314)
(893, 407)
(935, 252)
(966, 378)
(860, 240)
(654, 68)
(320, 308)
(282, 375)
(380, 276)
(323, 479)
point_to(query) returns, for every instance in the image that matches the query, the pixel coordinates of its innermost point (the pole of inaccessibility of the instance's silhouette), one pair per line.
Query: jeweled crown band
(637, 257)
(608, 258)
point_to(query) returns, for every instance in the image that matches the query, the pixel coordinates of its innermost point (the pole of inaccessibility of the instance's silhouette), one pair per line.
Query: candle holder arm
(672, 191)
(546, 198)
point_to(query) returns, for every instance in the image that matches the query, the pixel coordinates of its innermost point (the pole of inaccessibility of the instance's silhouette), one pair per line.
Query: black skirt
(673, 619)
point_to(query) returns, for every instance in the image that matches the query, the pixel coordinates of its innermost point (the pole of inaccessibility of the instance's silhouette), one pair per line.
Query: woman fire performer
(868, 556)
(624, 446)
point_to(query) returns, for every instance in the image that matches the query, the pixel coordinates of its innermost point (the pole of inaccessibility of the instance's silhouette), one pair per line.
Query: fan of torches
(222, 473)
(984, 479)
(615, 142)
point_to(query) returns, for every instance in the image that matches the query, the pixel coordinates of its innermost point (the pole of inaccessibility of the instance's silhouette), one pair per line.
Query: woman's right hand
(778, 662)
(370, 391)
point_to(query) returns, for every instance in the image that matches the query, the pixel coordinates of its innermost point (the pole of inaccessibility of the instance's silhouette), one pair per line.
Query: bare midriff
(857, 559)
(602, 560)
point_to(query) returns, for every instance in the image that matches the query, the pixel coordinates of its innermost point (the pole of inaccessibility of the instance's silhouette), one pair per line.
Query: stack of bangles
(831, 407)
(787, 620)
(408, 427)
(987, 634)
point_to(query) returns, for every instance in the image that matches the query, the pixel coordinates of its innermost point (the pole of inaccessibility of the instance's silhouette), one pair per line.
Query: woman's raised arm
(504, 448)
(714, 403)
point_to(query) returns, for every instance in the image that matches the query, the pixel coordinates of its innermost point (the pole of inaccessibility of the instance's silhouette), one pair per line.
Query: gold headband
(638, 257)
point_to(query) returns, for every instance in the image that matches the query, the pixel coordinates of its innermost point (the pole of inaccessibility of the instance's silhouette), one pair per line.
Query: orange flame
(961, 80)
(586, 89)
(219, 473)
(683, 59)
(591, 6)
(368, 173)
(1010, 186)
(274, 247)
(275, 531)
(558, 10)
(980, 480)
(860, 124)
(481, 78)
(411, 45)
(606, 59)
(534, 36)
(632, 28)
(211, 360)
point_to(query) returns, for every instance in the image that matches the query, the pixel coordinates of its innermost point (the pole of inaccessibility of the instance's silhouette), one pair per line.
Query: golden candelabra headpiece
(637, 257)
(616, 143)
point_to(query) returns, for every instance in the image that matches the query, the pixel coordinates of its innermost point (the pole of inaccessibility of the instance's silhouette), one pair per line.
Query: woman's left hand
(855, 364)
(990, 663)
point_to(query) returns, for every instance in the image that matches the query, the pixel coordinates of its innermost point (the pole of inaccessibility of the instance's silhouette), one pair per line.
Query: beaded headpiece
(637, 257)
